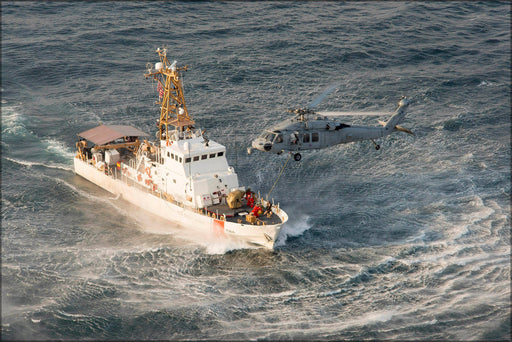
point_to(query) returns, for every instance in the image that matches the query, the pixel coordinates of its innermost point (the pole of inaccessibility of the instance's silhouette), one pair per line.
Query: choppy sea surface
(411, 242)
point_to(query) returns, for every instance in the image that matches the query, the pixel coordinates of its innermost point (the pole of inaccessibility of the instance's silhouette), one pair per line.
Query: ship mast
(173, 109)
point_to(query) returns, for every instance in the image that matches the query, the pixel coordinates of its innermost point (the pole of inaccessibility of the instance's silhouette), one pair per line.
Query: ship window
(187, 160)
(220, 154)
(180, 160)
(314, 137)
(172, 155)
(204, 156)
(196, 158)
(212, 155)
(168, 154)
(305, 137)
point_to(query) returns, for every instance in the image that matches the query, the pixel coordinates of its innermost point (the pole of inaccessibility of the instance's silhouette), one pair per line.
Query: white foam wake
(30, 164)
(58, 148)
(293, 228)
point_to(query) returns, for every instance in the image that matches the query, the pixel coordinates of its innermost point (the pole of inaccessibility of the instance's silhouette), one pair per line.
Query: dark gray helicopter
(309, 130)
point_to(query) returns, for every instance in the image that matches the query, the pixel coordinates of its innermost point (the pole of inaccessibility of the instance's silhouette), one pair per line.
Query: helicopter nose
(262, 144)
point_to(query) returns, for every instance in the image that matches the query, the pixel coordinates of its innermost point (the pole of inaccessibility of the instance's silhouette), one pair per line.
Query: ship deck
(238, 215)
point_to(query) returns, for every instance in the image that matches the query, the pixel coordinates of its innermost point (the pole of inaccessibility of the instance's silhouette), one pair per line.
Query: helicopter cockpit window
(267, 135)
(274, 137)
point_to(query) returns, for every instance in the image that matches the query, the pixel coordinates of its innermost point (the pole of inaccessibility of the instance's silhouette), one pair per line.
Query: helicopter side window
(279, 138)
(314, 137)
(305, 137)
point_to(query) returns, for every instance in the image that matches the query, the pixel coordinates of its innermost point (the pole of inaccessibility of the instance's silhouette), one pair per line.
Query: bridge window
(220, 154)
(187, 160)
(204, 156)
(172, 155)
(196, 158)
(180, 160)
(314, 137)
(212, 155)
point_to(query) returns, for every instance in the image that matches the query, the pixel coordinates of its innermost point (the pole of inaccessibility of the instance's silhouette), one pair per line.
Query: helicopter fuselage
(312, 131)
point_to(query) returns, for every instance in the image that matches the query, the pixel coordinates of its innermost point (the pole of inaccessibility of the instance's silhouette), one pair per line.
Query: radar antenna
(173, 109)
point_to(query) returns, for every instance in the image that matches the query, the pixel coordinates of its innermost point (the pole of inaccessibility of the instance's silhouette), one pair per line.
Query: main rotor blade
(326, 92)
(353, 113)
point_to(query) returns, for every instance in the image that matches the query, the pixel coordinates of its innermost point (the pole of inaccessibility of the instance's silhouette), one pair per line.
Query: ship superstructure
(183, 176)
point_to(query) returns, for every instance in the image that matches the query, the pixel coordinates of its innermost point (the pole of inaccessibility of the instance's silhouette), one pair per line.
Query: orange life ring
(139, 177)
(168, 143)
(154, 187)
(148, 172)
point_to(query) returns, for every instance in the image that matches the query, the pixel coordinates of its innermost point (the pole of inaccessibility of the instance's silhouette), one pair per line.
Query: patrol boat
(183, 176)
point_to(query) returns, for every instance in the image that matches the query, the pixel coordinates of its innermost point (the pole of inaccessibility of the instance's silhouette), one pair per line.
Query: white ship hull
(187, 217)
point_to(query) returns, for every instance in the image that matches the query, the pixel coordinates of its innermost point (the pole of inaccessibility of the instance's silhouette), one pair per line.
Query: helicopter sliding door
(310, 140)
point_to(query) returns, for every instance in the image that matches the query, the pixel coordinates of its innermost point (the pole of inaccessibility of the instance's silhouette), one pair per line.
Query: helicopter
(311, 130)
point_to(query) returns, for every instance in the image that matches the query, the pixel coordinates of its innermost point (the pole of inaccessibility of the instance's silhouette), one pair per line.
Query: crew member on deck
(268, 209)
(256, 211)
(249, 197)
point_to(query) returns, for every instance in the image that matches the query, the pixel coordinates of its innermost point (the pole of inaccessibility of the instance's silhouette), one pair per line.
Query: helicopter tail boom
(399, 114)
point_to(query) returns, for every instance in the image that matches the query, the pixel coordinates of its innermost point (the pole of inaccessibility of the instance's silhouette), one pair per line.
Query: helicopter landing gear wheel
(377, 146)
(297, 156)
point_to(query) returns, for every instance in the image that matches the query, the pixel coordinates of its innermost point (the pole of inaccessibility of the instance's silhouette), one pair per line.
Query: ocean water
(411, 242)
